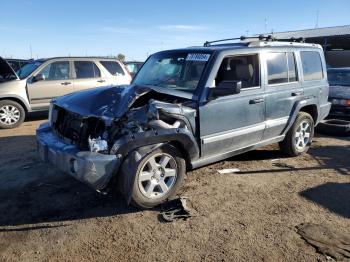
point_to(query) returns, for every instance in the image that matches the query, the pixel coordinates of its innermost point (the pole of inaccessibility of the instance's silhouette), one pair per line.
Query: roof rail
(260, 38)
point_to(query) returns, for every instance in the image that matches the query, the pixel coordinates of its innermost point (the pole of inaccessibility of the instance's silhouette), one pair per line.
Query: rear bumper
(324, 111)
(93, 169)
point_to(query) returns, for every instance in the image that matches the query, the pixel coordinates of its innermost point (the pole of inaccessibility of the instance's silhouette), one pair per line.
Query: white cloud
(182, 27)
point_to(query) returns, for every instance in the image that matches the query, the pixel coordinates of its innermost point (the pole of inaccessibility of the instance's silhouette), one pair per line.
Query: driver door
(233, 122)
(57, 82)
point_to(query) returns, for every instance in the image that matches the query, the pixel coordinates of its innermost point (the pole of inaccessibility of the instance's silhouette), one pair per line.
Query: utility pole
(265, 25)
(31, 51)
(317, 16)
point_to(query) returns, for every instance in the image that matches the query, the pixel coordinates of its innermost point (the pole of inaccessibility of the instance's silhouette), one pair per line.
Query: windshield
(28, 69)
(178, 70)
(339, 78)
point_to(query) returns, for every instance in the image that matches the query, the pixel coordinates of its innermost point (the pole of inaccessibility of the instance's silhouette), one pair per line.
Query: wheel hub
(157, 175)
(303, 135)
(9, 115)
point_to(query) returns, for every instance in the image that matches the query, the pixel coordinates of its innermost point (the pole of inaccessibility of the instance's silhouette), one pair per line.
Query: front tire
(299, 137)
(158, 176)
(12, 114)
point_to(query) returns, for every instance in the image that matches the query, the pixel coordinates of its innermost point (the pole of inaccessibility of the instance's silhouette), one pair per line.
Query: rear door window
(281, 68)
(312, 65)
(113, 67)
(86, 69)
(277, 68)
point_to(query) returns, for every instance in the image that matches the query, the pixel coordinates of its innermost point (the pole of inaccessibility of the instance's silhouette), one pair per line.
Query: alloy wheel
(157, 176)
(9, 115)
(303, 135)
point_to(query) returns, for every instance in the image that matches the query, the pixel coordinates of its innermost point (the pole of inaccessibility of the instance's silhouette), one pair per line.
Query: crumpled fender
(132, 149)
(127, 172)
(126, 144)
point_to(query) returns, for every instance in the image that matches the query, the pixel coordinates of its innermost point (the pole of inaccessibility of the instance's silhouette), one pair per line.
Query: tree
(121, 57)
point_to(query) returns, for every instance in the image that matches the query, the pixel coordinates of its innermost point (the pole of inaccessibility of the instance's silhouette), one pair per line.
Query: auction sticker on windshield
(198, 57)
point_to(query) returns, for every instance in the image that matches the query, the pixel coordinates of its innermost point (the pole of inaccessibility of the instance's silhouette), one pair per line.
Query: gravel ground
(251, 216)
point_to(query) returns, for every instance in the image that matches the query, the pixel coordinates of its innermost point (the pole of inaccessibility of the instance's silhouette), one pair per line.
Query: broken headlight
(98, 145)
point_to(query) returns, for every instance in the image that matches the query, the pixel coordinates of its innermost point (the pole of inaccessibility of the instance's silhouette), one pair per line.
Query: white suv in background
(33, 86)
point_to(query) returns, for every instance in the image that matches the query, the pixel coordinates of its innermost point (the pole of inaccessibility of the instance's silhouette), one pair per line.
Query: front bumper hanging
(94, 169)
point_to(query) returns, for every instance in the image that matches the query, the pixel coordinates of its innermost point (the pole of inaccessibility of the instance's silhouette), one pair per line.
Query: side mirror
(225, 88)
(39, 77)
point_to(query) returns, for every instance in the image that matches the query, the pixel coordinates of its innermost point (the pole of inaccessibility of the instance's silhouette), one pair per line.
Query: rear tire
(12, 114)
(159, 175)
(299, 137)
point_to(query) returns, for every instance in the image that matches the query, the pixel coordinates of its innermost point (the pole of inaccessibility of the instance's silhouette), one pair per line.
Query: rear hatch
(6, 71)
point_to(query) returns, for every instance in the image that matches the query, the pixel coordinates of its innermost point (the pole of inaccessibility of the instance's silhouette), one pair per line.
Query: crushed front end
(91, 147)
(63, 142)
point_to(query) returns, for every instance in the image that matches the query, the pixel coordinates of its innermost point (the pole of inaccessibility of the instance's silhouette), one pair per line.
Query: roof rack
(268, 38)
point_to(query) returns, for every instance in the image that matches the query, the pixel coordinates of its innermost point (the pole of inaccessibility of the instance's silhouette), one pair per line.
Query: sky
(139, 28)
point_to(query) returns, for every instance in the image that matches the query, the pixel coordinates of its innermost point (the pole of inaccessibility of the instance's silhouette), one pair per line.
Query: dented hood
(109, 102)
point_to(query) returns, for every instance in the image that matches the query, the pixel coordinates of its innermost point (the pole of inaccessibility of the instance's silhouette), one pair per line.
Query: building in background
(335, 41)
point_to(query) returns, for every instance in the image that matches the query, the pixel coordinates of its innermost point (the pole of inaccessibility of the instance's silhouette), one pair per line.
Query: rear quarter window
(312, 65)
(113, 67)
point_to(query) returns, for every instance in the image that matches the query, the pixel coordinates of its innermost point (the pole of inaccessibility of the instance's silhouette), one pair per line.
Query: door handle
(299, 93)
(256, 100)
(65, 83)
(101, 81)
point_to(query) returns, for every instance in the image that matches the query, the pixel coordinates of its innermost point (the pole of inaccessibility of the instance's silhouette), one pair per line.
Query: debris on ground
(327, 241)
(228, 171)
(178, 208)
(283, 165)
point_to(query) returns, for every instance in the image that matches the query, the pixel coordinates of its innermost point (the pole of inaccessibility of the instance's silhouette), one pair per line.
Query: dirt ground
(48, 216)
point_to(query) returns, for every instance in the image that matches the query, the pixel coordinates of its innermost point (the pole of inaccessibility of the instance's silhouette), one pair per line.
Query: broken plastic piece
(97, 145)
(228, 171)
(283, 165)
(176, 209)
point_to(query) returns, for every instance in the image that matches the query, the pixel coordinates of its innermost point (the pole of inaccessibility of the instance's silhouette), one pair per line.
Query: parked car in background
(16, 64)
(187, 108)
(339, 92)
(33, 86)
(133, 67)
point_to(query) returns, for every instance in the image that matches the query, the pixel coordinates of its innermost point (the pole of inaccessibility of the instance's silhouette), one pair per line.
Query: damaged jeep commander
(187, 108)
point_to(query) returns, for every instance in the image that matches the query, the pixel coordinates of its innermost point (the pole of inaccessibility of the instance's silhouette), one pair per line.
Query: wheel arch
(309, 107)
(17, 100)
(311, 110)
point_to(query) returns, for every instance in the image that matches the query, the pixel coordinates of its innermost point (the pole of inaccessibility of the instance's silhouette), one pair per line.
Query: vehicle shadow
(32, 192)
(36, 116)
(333, 196)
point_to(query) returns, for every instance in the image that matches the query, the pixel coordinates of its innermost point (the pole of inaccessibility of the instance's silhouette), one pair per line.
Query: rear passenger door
(283, 89)
(87, 75)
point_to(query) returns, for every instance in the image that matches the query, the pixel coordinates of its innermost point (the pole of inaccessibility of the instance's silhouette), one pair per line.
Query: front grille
(75, 128)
